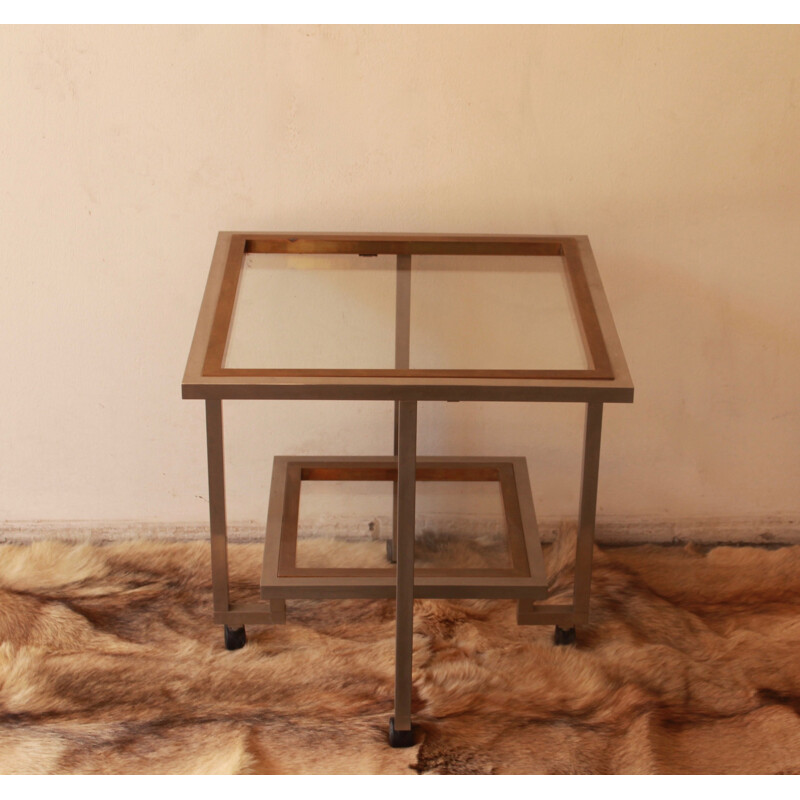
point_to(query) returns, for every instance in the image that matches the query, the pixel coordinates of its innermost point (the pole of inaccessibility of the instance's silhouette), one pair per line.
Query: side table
(404, 318)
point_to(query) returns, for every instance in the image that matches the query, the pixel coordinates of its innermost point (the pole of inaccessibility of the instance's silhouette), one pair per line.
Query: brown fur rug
(109, 663)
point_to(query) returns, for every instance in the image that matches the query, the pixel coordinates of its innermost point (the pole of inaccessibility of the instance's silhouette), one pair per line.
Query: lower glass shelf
(512, 568)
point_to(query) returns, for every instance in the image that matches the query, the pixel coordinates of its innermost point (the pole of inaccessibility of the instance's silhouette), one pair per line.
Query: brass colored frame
(405, 249)
(608, 381)
(283, 579)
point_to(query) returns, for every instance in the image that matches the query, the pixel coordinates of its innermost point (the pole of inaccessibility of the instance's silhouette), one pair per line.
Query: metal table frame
(606, 380)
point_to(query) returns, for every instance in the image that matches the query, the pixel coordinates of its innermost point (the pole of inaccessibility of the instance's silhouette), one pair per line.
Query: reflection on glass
(493, 312)
(346, 524)
(306, 312)
(297, 311)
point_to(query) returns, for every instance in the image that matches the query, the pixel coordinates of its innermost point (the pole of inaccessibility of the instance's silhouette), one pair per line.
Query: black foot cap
(400, 738)
(390, 552)
(564, 636)
(235, 639)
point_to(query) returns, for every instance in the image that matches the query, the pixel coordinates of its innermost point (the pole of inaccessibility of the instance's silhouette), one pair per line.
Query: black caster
(400, 738)
(564, 636)
(235, 639)
(390, 552)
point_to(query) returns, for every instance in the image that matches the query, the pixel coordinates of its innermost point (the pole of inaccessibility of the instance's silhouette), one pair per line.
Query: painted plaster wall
(123, 151)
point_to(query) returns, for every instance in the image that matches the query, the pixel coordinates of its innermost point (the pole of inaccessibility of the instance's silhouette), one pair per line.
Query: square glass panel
(459, 524)
(395, 315)
(446, 313)
(481, 312)
(313, 311)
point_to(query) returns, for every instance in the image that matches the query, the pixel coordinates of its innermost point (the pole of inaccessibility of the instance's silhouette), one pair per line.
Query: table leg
(235, 637)
(402, 345)
(400, 733)
(216, 505)
(586, 521)
(578, 612)
(391, 547)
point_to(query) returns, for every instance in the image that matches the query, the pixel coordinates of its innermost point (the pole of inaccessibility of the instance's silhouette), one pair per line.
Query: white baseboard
(761, 530)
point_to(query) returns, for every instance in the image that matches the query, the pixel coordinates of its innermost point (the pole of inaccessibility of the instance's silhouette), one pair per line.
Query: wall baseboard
(761, 530)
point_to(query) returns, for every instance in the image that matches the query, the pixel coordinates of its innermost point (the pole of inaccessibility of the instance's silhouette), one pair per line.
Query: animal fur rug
(109, 663)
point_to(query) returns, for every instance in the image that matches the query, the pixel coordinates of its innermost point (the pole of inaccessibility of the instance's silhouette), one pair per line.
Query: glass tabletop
(405, 316)
(404, 313)
(455, 312)
(296, 311)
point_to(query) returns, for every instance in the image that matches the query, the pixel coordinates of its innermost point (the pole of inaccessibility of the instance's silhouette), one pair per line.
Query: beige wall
(124, 150)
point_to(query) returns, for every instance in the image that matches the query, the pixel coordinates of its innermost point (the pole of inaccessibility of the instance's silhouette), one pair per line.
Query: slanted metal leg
(216, 505)
(230, 616)
(565, 617)
(400, 725)
(402, 340)
(391, 549)
(588, 512)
